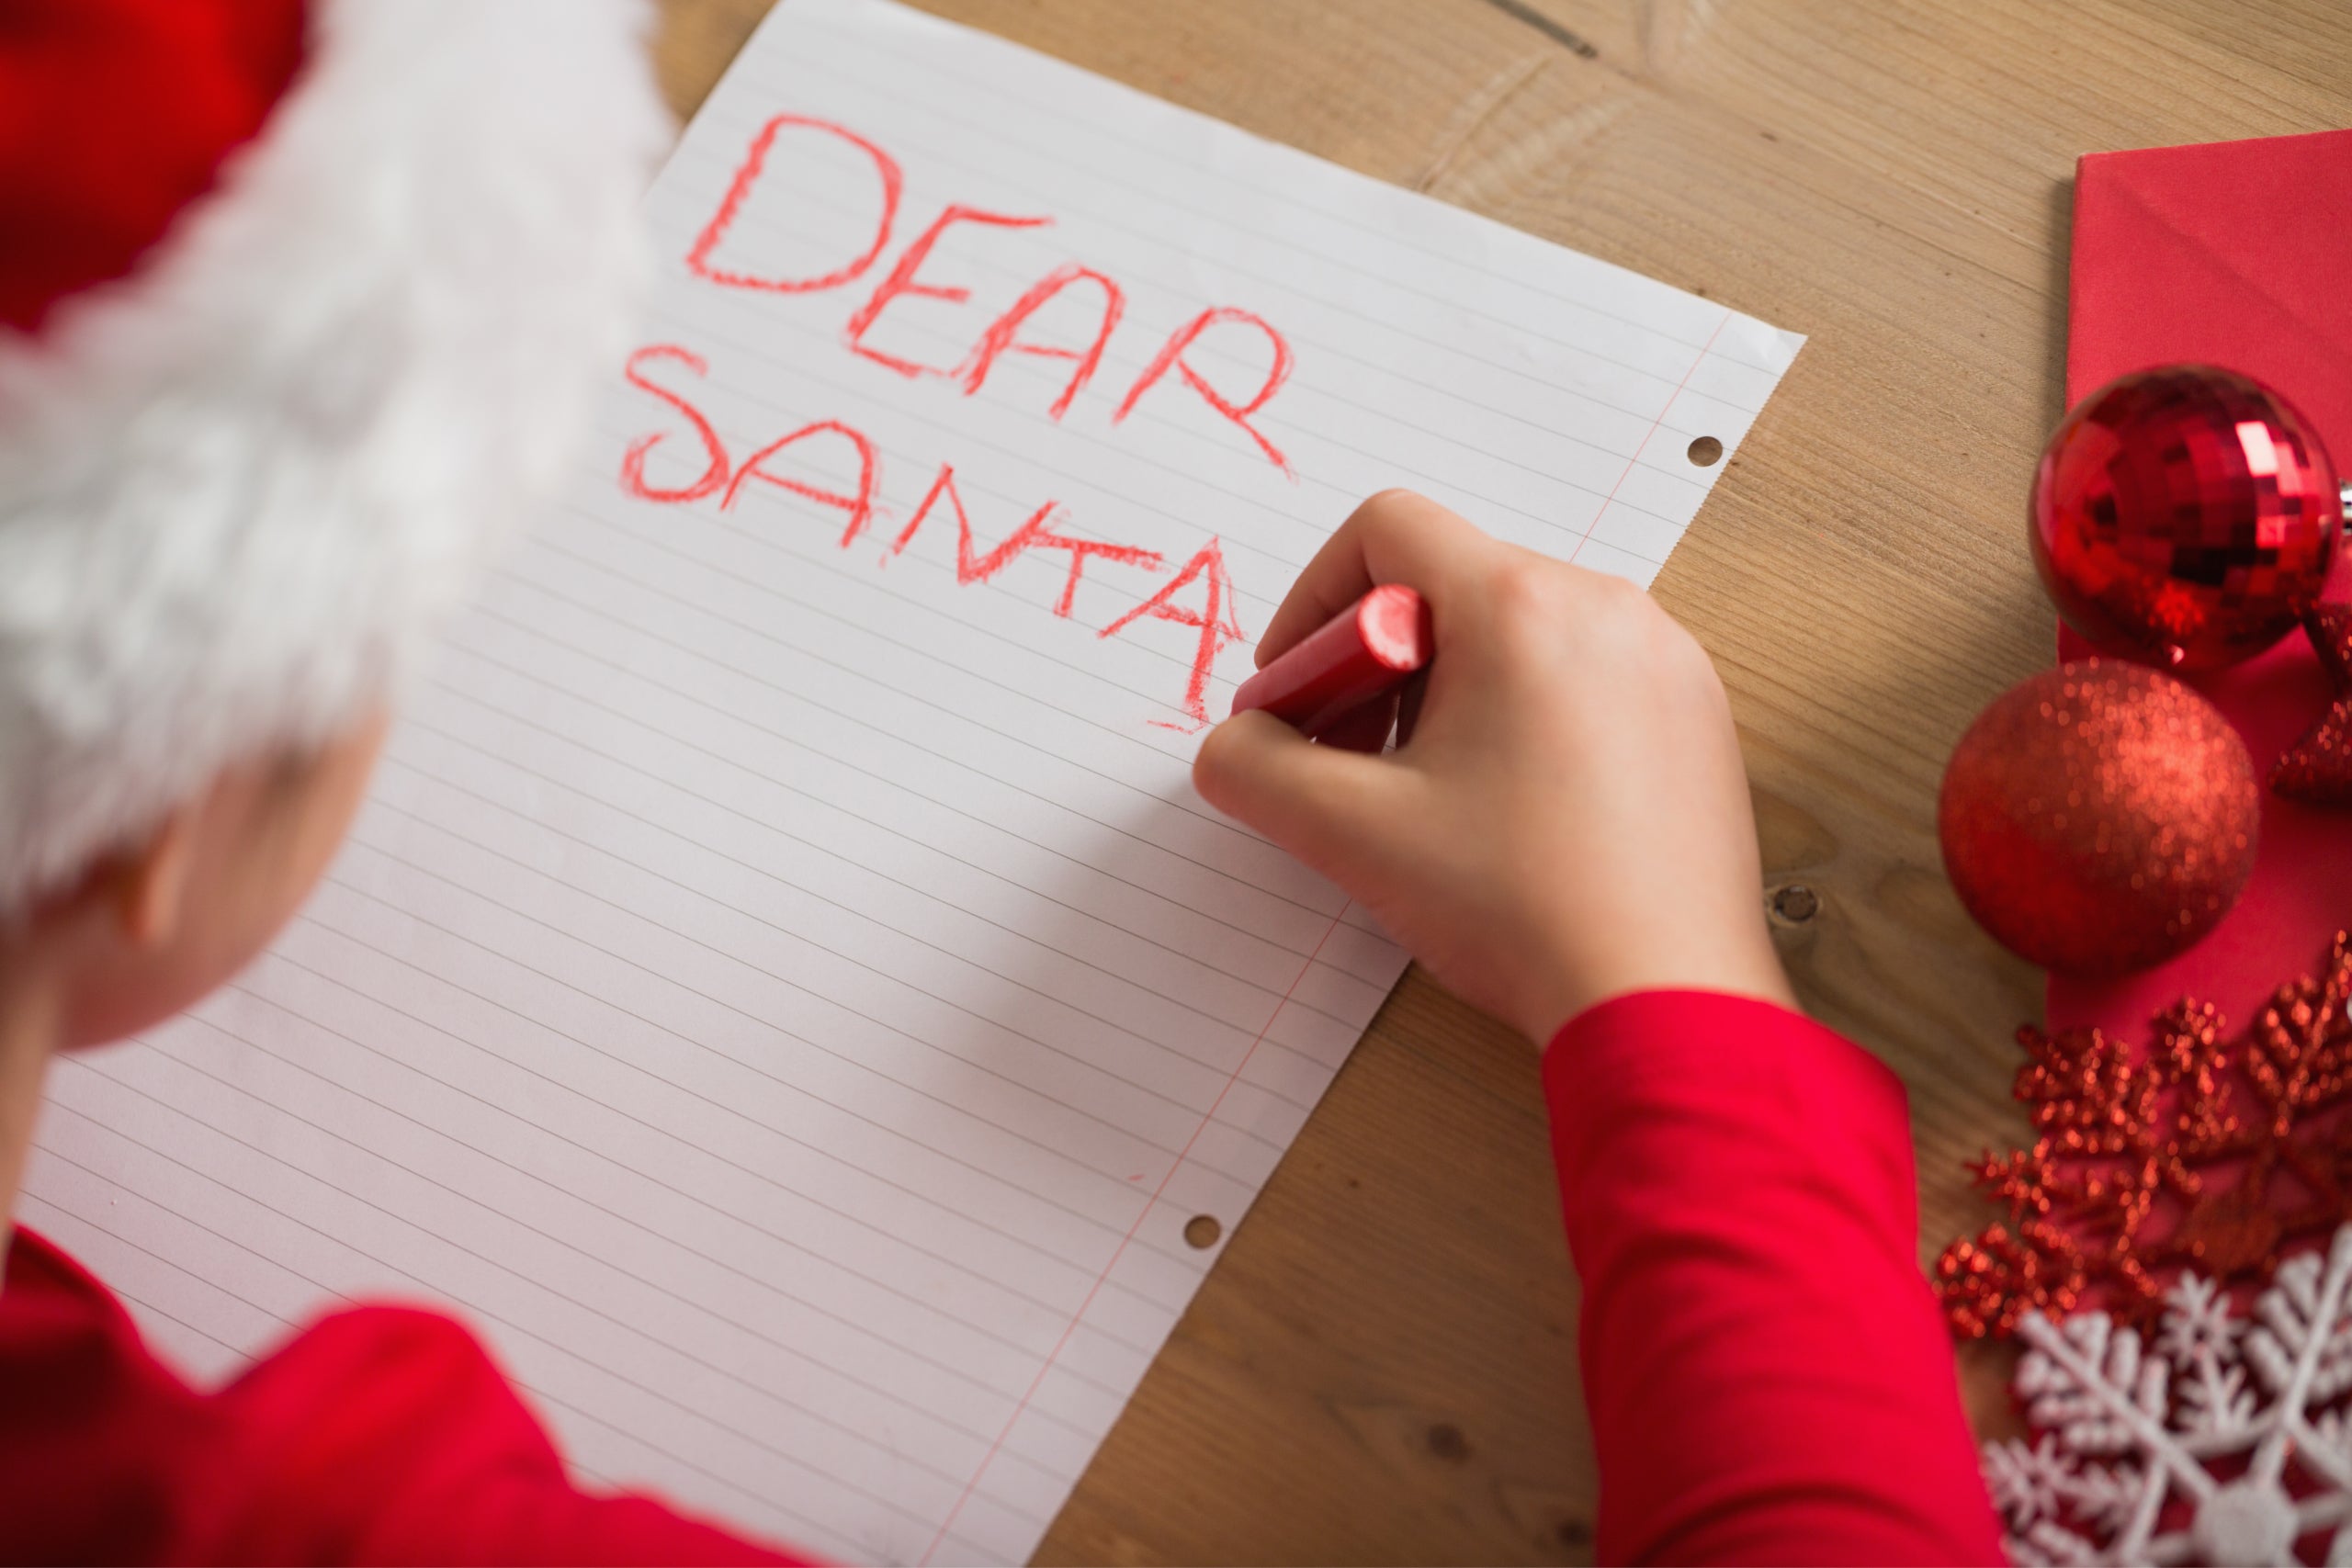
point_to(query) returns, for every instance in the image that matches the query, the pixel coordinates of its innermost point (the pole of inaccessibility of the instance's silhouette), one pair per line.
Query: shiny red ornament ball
(2100, 818)
(2186, 516)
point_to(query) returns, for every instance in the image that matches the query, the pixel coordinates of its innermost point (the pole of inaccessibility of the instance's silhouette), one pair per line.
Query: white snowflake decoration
(2212, 1416)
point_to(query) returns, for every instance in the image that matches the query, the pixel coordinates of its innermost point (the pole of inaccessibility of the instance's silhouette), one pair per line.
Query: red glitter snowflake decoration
(2198, 1151)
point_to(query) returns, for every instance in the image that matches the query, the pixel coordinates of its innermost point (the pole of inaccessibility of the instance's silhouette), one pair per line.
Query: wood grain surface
(1383, 1366)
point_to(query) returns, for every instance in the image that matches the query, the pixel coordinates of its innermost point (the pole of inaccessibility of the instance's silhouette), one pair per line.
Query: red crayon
(1361, 653)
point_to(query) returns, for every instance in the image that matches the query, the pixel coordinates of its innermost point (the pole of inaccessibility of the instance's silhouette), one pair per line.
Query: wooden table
(1383, 1366)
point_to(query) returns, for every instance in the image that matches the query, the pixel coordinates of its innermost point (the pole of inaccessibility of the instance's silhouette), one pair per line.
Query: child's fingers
(1321, 802)
(1396, 537)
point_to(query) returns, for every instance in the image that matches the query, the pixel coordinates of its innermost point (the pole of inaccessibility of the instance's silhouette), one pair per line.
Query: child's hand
(1568, 819)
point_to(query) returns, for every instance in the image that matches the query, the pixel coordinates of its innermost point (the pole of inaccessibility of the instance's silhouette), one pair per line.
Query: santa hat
(299, 309)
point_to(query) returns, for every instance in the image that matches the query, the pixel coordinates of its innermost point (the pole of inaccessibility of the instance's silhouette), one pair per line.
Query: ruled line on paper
(1163, 904)
(1013, 1131)
(1695, 486)
(62, 1221)
(1058, 996)
(1170, 1070)
(813, 338)
(1662, 377)
(782, 990)
(1196, 969)
(1004, 270)
(809, 653)
(1146, 1146)
(205, 1356)
(1344, 497)
(867, 1389)
(1079, 489)
(843, 388)
(651, 1392)
(716, 934)
(1062, 158)
(1663, 410)
(656, 1129)
(799, 743)
(905, 1149)
(1134, 1095)
(1237, 884)
(1173, 945)
(1054, 1356)
(57, 1204)
(346, 1246)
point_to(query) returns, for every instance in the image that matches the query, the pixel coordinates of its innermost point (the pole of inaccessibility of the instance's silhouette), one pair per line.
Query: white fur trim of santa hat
(239, 487)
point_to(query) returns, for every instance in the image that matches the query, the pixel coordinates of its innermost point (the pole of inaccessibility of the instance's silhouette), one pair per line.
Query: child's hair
(237, 484)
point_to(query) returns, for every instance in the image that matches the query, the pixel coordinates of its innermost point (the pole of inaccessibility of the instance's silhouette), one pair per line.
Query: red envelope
(2232, 255)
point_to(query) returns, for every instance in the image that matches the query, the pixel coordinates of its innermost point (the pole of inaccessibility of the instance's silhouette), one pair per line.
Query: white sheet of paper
(787, 998)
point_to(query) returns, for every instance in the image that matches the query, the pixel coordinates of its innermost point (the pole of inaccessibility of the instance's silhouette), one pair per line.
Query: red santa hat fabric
(300, 305)
(114, 115)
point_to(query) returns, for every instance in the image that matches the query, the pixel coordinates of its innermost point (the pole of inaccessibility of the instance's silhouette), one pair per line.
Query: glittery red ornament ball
(2186, 516)
(2100, 818)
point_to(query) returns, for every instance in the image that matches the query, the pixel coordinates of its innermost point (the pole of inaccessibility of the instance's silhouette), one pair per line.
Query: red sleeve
(1768, 1378)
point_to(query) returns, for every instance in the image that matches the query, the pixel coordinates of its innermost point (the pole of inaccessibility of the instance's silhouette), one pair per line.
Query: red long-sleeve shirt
(1767, 1375)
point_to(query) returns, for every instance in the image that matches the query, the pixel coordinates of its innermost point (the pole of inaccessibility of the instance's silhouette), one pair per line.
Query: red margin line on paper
(1149, 1203)
(1704, 349)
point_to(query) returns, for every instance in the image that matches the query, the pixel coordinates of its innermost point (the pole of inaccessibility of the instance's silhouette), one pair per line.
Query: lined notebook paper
(783, 990)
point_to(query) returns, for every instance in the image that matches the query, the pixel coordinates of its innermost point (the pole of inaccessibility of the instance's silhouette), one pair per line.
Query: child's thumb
(1321, 802)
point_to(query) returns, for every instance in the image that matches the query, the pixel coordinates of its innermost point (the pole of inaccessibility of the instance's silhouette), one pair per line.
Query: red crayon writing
(782, 464)
(768, 254)
(720, 257)
(1361, 653)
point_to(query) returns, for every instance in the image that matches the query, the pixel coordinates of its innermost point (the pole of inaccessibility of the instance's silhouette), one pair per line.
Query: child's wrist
(1569, 988)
